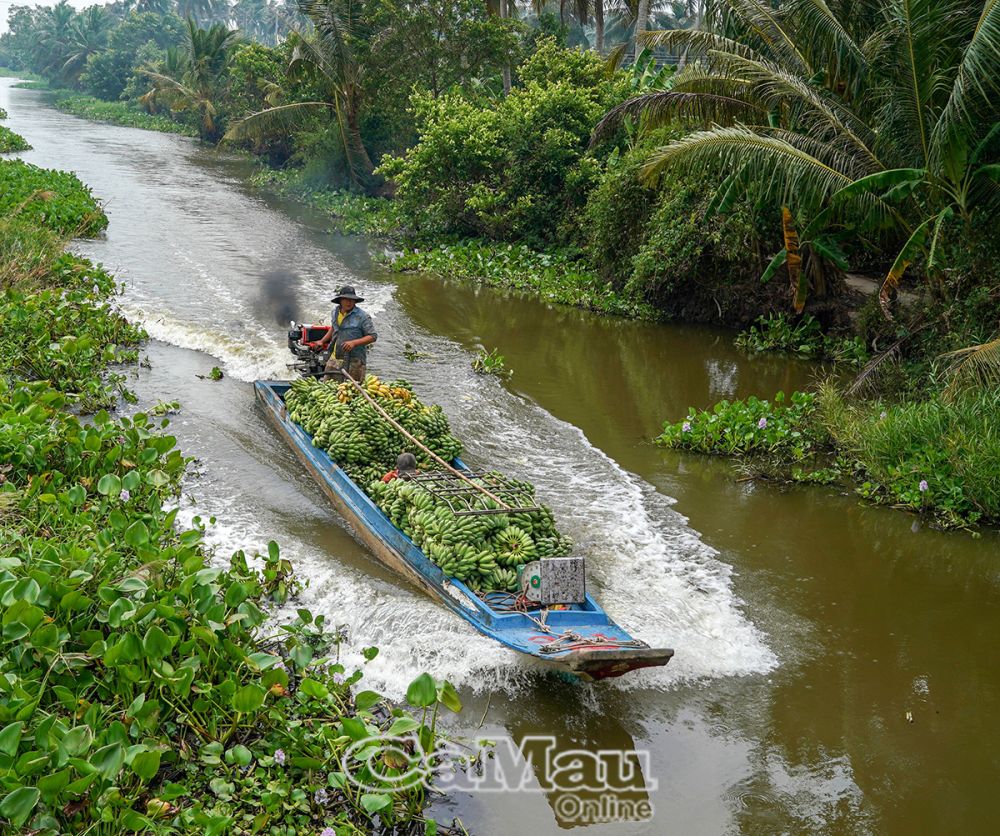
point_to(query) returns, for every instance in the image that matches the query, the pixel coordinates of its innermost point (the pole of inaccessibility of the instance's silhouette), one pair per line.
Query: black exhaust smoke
(279, 296)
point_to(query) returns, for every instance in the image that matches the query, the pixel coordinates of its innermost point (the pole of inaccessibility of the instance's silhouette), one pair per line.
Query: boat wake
(647, 567)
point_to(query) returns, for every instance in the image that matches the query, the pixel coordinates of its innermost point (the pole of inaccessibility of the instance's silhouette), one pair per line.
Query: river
(836, 664)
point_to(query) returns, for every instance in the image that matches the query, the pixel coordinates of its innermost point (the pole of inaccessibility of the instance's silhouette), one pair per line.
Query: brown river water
(836, 664)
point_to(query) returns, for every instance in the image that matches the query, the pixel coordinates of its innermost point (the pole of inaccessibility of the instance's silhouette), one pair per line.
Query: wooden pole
(423, 447)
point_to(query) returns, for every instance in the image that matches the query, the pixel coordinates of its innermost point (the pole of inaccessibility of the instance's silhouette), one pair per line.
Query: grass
(119, 113)
(353, 213)
(936, 457)
(26, 75)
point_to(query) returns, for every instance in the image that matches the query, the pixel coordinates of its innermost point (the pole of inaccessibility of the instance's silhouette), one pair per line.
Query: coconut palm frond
(977, 83)
(791, 171)
(763, 20)
(337, 24)
(832, 153)
(616, 57)
(275, 120)
(658, 108)
(973, 367)
(696, 41)
(824, 25)
(818, 111)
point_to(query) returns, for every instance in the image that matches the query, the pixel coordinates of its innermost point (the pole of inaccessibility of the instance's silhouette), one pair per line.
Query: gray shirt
(356, 324)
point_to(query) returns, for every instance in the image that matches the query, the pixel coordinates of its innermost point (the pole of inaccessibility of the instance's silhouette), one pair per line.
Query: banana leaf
(883, 182)
(903, 260)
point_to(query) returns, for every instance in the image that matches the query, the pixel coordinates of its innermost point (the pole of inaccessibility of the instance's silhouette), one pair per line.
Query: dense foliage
(513, 169)
(879, 120)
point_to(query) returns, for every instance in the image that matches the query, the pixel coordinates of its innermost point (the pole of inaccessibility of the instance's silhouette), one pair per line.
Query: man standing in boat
(352, 332)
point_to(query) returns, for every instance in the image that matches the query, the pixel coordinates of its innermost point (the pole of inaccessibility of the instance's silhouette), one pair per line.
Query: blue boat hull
(581, 640)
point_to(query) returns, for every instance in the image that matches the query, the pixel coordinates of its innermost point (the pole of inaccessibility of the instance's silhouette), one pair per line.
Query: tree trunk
(358, 161)
(505, 13)
(641, 22)
(599, 26)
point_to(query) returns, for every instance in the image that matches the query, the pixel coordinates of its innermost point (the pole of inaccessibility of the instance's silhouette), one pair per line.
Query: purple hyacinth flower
(762, 424)
(923, 486)
(279, 757)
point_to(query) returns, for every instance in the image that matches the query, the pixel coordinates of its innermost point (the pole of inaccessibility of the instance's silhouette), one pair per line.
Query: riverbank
(118, 113)
(552, 276)
(146, 684)
(917, 453)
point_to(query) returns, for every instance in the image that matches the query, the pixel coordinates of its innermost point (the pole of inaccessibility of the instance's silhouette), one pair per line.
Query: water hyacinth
(124, 496)
(321, 796)
(686, 427)
(923, 486)
(279, 757)
(328, 831)
(762, 424)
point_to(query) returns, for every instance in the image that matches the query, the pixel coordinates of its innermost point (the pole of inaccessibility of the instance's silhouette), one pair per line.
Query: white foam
(247, 355)
(646, 566)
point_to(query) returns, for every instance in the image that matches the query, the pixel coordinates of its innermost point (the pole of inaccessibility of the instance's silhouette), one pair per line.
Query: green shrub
(54, 199)
(614, 234)
(3, 113)
(683, 250)
(11, 142)
(513, 169)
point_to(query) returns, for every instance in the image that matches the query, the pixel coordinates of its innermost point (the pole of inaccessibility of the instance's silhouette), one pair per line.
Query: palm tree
(199, 71)
(160, 7)
(882, 116)
(53, 36)
(88, 35)
(328, 57)
(203, 10)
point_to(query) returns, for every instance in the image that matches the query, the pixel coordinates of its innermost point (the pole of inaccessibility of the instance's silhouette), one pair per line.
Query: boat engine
(304, 343)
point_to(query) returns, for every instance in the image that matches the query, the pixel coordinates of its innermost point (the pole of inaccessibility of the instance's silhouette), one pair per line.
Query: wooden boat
(580, 639)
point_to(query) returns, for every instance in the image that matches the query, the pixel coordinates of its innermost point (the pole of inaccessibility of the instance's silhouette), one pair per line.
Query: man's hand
(348, 345)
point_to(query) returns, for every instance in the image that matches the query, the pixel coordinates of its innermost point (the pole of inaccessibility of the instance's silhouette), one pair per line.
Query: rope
(562, 642)
(426, 449)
